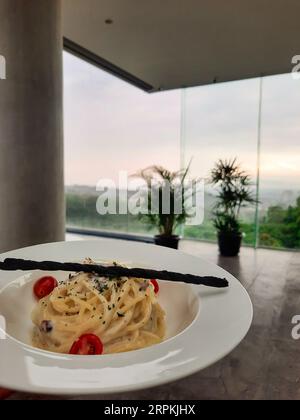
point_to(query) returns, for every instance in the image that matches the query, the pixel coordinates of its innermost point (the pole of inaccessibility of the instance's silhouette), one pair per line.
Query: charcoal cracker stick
(12, 264)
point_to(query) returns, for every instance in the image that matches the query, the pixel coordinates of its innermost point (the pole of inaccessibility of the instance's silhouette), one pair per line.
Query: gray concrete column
(32, 208)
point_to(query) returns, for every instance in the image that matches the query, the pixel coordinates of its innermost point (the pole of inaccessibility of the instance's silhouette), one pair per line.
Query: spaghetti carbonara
(122, 312)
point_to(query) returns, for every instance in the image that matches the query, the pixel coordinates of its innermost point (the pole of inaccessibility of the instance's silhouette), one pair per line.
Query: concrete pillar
(32, 208)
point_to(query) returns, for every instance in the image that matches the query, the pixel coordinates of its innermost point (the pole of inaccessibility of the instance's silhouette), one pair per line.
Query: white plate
(204, 325)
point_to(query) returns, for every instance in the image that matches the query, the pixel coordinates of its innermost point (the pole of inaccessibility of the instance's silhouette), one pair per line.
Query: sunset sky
(112, 126)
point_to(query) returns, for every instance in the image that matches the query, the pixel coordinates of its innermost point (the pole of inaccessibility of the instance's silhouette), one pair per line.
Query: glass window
(280, 163)
(220, 122)
(112, 126)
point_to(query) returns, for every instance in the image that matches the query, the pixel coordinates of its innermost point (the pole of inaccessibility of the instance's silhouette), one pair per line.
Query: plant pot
(229, 243)
(167, 241)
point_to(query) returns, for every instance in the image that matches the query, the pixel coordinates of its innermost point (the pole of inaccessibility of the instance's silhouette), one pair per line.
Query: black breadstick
(11, 264)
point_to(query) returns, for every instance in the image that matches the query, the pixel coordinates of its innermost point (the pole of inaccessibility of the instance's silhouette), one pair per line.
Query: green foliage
(205, 232)
(280, 228)
(234, 192)
(275, 214)
(81, 212)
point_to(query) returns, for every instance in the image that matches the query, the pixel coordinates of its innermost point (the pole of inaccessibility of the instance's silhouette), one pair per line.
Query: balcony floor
(266, 365)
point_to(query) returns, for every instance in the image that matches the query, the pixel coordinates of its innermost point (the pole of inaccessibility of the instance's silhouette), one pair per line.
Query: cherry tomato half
(87, 345)
(155, 285)
(44, 286)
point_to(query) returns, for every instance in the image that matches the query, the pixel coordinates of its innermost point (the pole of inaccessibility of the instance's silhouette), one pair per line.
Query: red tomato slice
(44, 286)
(155, 285)
(87, 345)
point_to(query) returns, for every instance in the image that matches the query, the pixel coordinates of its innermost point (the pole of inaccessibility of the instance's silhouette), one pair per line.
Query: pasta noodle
(122, 312)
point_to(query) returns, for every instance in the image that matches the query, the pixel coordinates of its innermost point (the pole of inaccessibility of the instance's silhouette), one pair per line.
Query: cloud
(111, 126)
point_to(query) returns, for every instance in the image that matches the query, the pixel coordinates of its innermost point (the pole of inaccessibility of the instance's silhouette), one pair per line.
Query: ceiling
(169, 44)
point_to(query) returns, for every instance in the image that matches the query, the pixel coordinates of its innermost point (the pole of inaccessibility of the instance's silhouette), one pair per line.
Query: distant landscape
(279, 218)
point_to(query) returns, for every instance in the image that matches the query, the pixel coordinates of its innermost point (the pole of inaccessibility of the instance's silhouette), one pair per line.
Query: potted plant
(161, 182)
(234, 192)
